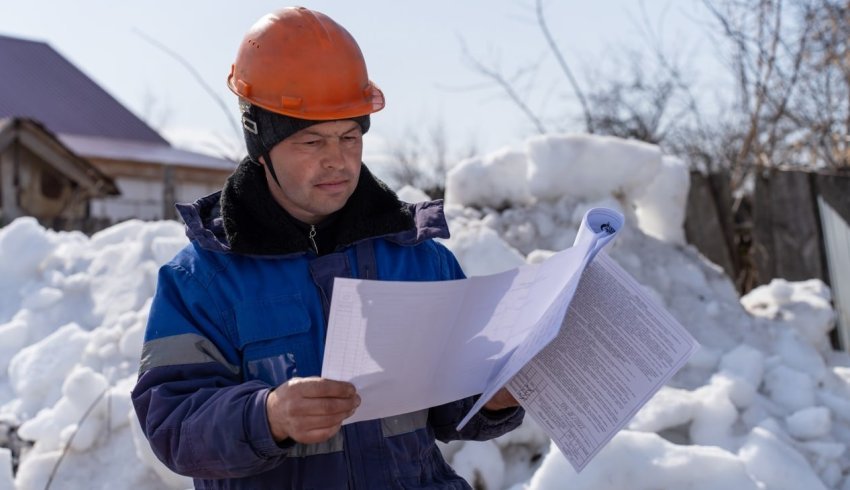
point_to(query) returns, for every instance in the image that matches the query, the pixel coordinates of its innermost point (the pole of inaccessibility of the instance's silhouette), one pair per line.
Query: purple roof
(38, 83)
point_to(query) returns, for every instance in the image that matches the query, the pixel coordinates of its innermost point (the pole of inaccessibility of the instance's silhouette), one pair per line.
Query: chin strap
(268, 160)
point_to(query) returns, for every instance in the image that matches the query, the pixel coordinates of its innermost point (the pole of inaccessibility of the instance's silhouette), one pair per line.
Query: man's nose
(333, 156)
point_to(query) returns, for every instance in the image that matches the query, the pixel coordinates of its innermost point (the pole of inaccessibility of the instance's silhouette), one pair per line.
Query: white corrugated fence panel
(836, 233)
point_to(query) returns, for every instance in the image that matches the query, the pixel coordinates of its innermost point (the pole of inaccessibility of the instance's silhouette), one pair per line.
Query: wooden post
(168, 193)
(786, 229)
(704, 223)
(8, 186)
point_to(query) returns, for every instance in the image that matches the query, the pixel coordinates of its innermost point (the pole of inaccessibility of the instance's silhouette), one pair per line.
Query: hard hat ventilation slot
(291, 102)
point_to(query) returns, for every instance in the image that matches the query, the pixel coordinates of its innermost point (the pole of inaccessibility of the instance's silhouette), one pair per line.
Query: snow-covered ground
(765, 404)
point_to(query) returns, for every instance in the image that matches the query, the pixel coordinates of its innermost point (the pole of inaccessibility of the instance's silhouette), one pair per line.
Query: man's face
(318, 169)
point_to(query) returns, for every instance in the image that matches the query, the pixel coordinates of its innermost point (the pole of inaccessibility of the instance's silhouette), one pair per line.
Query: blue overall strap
(367, 265)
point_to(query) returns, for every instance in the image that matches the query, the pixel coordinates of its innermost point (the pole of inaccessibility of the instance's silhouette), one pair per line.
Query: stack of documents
(574, 339)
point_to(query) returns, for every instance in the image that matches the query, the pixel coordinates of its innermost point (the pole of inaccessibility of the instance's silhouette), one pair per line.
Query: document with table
(573, 338)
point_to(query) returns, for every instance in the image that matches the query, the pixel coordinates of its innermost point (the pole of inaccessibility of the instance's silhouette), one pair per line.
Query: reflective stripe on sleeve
(187, 348)
(332, 445)
(402, 424)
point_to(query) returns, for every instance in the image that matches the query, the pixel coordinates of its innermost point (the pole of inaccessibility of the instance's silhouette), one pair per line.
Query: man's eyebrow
(309, 132)
(313, 132)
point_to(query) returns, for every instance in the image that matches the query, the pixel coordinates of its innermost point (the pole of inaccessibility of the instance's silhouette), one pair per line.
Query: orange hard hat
(300, 63)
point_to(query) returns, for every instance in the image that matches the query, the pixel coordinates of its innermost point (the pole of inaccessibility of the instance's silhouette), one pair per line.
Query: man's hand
(310, 410)
(501, 400)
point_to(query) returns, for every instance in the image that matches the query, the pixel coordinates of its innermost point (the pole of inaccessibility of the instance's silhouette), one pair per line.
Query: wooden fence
(793, 226)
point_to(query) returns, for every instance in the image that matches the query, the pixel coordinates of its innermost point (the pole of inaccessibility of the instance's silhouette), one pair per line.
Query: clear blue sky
(412, 49)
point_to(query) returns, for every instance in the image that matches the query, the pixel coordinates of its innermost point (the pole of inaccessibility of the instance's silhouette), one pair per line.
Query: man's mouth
(333, 184)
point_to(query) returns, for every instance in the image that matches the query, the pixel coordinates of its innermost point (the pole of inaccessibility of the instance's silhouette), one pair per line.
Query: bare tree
(822, 110)
(508, 83)
(646, 102)
(222, 146)
(640, 105)
(767, 41)
(789, 63)
(422, 160)
(792, 83)
(564, 66)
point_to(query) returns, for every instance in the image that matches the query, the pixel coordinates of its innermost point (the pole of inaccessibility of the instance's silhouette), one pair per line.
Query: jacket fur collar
(244, 218)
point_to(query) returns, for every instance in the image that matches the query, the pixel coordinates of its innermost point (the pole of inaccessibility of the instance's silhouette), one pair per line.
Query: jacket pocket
(276, 339)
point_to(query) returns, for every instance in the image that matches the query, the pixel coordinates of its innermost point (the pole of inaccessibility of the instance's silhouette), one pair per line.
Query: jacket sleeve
(200, 418)
(449, 267)
(482, 426)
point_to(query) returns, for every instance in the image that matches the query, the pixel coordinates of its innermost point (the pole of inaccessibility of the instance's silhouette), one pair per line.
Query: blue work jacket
(225, 328)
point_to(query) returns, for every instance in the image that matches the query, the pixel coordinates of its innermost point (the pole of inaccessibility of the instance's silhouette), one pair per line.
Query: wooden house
(98, 163)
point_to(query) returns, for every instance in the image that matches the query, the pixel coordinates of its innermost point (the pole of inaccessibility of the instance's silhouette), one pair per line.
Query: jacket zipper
(312, 237)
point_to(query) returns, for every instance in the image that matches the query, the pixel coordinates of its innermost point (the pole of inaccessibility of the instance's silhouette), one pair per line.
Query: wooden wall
(777, 232)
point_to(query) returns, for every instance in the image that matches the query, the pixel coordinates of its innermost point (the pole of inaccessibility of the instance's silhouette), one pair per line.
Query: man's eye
(311, 142)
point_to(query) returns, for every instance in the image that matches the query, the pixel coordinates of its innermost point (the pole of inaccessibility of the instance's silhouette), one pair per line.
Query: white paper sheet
(615, 349)
(413, 345)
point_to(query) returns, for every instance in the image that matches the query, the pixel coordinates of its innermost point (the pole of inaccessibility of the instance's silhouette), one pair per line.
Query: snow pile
(71, 329)
(495, 180)
(764, 404)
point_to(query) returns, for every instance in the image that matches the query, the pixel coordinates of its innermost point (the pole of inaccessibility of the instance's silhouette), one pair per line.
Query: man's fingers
(323, 388)
(502, 399)
(310, 409)
(325, 406)
(317, 422)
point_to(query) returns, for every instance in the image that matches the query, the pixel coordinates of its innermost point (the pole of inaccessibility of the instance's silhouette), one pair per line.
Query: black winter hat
(264, 129)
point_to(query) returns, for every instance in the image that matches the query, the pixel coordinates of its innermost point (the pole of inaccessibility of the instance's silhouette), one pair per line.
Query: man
(229, 389)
